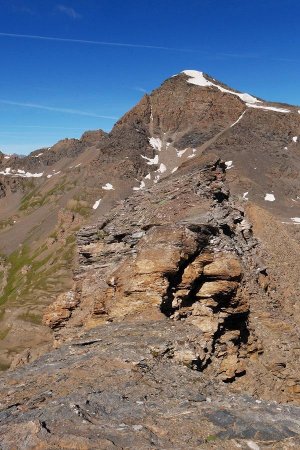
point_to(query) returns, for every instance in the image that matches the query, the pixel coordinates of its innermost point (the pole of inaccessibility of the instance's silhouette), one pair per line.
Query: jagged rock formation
(191, 257)
(184, 267)
(183, 259)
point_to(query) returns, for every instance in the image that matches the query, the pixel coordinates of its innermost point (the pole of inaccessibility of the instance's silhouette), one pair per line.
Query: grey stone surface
(107, 390)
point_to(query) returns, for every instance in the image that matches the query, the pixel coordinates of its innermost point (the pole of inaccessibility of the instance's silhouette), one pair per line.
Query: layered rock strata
(190, 269)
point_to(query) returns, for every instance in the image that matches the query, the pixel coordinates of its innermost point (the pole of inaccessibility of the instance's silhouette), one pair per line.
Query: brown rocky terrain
(180, 325)
(188, 253)
(120, 387)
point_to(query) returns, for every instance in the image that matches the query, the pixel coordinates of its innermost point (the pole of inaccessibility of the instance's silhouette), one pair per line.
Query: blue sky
(107, 53)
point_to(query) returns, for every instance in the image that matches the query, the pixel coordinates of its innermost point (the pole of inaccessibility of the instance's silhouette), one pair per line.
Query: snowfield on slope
(20, 173)
(199, 79)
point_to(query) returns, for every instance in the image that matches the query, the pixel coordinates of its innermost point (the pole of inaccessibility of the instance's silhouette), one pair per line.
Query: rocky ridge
(169, 268)
(183, 276)
(191, 257)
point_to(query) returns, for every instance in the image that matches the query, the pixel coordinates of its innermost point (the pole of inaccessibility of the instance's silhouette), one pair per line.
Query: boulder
(217, 288)
(225, 268)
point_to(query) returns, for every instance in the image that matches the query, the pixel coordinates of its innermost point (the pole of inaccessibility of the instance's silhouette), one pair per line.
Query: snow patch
(108, 187)
(199, 79)
(7, 171)
(193, 154)
(245, 195)
(162, 168)
(181, 152)
(148, 177)
(151, 113)
(142, 185)
(295, 138)
(33, 175)
(155, 143)
(21, 173)
(174, 170)
(96, 204)
(240, 118)
(270, 198)
(295, 219)
(37, 156)
(52, 174)
(151, 161)
(252, 445)
(229, 165)
(268, 108)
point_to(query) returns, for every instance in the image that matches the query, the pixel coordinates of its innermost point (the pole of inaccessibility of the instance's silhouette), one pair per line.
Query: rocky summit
(150, 279)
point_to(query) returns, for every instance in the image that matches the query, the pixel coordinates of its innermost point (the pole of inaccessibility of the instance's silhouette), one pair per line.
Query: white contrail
(43, 127)
(62, 110)
(83, 41)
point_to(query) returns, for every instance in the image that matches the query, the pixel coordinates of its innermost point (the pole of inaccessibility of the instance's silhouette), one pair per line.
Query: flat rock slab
(109, 390)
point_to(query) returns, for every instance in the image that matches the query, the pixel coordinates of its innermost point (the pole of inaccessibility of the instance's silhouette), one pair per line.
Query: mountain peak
(201, 79)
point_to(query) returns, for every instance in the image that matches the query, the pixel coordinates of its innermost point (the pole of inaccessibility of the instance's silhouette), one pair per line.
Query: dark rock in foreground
(122, 386)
